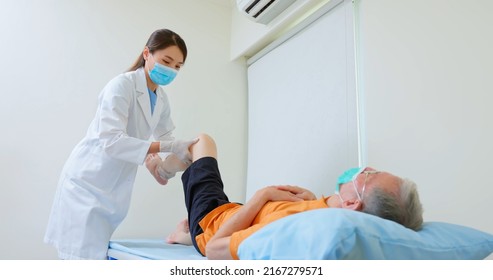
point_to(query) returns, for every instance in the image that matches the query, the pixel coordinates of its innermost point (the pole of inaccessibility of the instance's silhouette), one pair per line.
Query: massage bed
(343, 234)
(150, 249)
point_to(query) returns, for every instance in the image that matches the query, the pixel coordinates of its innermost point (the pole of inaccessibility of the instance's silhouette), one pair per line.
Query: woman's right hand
(180, 148)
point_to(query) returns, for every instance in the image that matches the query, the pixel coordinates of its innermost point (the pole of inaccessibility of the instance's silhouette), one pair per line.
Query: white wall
(426, 82)
(57, 55)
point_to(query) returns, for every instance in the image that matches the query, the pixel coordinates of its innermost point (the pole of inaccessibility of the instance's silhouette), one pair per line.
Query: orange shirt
(270, 212)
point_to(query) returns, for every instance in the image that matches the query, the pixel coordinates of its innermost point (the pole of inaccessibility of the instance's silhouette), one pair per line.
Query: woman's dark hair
(161, 39)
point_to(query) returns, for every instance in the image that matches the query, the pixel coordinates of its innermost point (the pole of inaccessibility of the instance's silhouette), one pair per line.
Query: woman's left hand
(152, 162)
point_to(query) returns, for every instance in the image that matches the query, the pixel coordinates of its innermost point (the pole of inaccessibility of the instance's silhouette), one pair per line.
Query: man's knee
(206, 138)
(205, 147)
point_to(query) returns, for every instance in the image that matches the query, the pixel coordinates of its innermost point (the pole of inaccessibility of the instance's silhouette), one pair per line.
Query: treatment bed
(328, 234)
(150, 249)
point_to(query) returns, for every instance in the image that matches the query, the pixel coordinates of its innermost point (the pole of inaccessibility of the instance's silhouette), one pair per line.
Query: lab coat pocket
(99, 170)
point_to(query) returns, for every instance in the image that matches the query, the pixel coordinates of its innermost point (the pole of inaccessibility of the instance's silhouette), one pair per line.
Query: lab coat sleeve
(116, 102)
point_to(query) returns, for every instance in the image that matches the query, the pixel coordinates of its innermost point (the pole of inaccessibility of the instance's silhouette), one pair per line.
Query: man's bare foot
(152, 162)
(181, 235)
(170, 165)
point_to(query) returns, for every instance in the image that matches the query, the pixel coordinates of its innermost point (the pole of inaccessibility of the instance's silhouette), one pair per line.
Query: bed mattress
(150, 249)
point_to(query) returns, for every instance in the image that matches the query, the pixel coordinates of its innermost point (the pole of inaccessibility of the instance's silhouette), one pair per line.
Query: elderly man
(216, 227)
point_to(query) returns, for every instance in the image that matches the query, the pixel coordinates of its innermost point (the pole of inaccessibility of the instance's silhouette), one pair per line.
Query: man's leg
(202, 184)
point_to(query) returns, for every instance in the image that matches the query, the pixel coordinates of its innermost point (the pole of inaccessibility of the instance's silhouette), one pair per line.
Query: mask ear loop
(356, 190)
(367, 173)
(362, 169)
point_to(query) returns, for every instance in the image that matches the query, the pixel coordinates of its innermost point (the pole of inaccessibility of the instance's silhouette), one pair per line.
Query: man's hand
(276, 193)
(218, 245)
(290, 193)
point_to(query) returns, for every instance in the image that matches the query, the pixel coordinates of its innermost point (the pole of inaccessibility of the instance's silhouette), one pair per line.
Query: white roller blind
(302, 107)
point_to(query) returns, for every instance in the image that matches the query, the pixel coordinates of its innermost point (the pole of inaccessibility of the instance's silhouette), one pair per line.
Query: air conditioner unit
(263, 11)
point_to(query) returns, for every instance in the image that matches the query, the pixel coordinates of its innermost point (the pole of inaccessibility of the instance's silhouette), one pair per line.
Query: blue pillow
(346, 234)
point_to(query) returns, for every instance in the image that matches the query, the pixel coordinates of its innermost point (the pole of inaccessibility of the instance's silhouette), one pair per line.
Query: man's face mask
(348, 176)
(351, 175)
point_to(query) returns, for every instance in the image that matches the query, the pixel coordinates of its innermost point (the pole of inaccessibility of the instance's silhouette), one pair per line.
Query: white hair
(404, 208)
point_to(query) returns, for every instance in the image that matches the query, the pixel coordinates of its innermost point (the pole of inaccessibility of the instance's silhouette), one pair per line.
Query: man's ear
(353, 204)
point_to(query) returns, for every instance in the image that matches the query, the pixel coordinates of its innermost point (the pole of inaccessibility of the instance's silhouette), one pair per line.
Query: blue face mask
(348, 176)
(162, 75)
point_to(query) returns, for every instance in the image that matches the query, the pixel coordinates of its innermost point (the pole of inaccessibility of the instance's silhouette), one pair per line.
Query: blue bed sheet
(152, 249)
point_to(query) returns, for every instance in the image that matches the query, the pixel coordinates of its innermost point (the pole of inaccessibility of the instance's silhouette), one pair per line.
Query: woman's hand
(152, 162)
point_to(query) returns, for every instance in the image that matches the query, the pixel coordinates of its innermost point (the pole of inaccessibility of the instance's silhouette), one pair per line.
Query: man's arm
(218, 245)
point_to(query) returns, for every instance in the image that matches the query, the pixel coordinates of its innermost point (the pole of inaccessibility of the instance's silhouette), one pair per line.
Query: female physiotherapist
(95, 186)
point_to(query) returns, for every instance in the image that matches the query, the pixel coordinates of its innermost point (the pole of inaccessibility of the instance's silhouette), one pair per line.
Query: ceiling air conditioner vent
(263, 11)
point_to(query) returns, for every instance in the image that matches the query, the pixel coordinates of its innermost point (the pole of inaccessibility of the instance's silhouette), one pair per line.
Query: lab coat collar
(144, 100)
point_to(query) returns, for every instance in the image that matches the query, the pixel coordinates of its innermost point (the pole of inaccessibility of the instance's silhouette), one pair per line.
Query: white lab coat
(95, 186)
